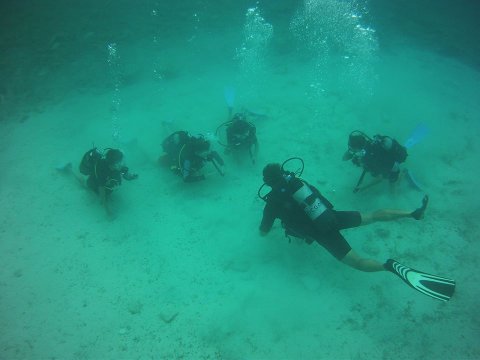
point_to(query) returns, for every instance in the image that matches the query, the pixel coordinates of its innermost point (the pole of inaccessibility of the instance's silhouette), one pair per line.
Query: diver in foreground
(306, 214)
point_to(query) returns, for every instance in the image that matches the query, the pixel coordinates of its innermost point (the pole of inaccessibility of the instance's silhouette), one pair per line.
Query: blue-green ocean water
(180, 272)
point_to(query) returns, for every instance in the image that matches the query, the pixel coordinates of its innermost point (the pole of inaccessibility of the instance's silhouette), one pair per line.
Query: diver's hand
(129, 176)
(263, 233)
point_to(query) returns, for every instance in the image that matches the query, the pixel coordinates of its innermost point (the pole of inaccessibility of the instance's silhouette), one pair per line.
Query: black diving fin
(434, 286)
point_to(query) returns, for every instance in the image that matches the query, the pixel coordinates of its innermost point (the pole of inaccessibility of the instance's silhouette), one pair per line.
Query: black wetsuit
(189, 164)
(182, 158)
(380, 161)
(105, 177)
(241, 135)
(324, 230)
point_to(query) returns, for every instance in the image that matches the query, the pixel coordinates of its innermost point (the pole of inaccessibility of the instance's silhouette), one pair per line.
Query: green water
(181, 272)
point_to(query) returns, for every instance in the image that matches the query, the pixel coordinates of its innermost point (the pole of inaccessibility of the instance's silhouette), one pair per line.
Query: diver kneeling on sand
(381, 157)
(186, 155)
(306, 214)
(241, 137)
(105, 172)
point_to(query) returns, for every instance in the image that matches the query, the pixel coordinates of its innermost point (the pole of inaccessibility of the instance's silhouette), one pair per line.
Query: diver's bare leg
(353, 260)
(389, 215)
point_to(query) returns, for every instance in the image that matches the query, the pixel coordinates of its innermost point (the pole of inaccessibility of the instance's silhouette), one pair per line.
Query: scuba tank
(307, 197)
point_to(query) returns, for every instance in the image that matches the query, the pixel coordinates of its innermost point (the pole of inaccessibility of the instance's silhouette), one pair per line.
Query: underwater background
(181, 271)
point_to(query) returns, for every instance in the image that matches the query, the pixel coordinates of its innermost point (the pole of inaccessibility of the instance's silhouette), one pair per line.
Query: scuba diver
(307, 215)
(105, 172)
(380, 156)
(241, 137)
(186, 155)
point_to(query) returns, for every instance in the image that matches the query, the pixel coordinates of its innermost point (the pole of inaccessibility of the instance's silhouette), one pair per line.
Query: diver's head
(387, 143)
(200, 146)
(273, 175)
(357, 142)
(114, 158)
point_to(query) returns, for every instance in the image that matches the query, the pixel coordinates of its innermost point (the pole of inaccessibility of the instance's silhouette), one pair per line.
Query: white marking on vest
(313, 211)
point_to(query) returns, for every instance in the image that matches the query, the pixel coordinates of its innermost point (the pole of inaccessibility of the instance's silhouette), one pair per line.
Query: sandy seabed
(181, 272)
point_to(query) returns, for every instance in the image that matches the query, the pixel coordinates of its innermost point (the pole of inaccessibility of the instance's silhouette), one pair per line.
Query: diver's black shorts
(333, 241)
(348, 219)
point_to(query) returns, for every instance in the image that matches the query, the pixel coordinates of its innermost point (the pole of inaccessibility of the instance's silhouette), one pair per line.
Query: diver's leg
(338, 246)
(79, 178)
(389, 215)
(68, 170)
(419, 213)
(353, 260)
(384, 215)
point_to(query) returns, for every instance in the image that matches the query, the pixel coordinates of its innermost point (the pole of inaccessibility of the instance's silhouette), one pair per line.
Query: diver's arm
(267, 220)
(375, 181)
(127, 175)
(213, 156)
(359, 182)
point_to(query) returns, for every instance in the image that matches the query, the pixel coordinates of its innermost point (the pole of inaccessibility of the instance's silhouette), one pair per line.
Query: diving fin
(64, 169)
(418, 134)
(229, 94)
(413, 181)
(434, 286)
